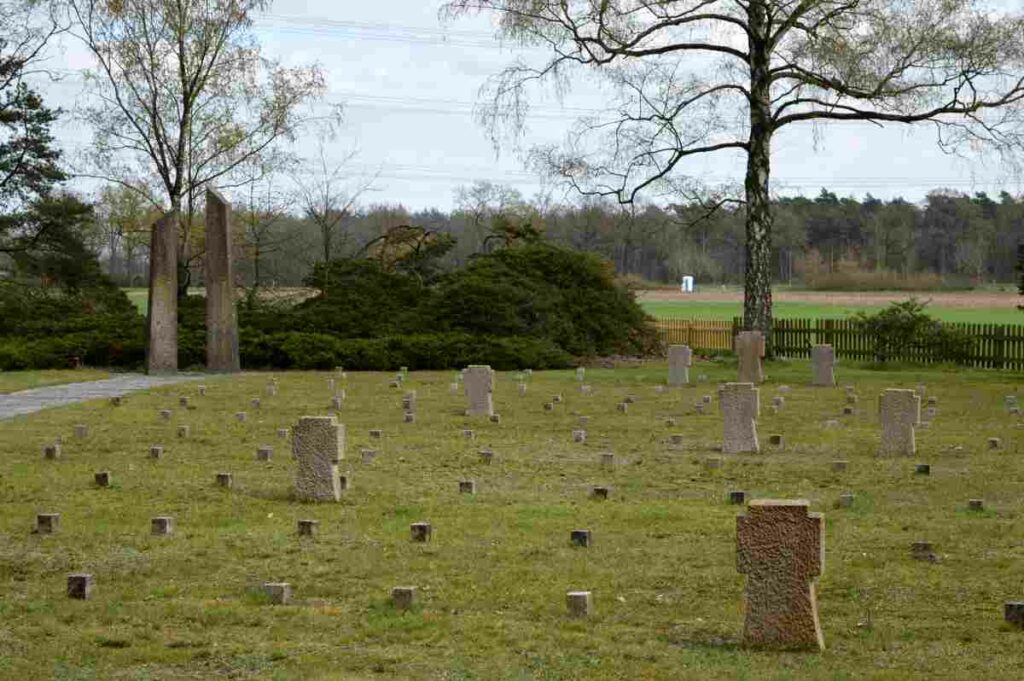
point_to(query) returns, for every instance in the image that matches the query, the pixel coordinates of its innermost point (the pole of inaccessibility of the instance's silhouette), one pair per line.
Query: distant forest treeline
(950, 239)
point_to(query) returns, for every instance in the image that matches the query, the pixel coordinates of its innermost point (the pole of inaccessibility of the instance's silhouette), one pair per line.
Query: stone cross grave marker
(221, 315)
(318, 443)
(740, 404)
(781, 549)
(479, 386)
(899, 412)
(749, 346)
(823, 361)
(162, 311)
(680, 358)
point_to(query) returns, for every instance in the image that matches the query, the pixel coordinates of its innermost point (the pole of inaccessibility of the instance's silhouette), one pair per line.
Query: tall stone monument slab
(318, 445)
(680, 358)
(780, 547)
(219, 275)
(749, 347)
(479, 386)
(162, 313)
(823, 362)
(741, 406)
(899, 412)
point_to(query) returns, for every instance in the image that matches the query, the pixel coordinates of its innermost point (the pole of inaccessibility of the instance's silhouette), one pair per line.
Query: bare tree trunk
(757, 296)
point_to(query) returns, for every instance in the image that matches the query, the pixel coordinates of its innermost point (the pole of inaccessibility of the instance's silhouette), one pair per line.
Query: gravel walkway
(37, 399)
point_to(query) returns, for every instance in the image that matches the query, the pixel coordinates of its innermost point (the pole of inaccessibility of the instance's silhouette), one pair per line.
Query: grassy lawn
(12, 381)
(801, 310)
(668, 599)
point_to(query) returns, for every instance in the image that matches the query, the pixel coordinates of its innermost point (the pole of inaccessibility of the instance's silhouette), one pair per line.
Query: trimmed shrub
(904, 329)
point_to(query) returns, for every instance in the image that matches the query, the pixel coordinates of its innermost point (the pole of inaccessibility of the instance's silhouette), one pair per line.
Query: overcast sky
(409, 83)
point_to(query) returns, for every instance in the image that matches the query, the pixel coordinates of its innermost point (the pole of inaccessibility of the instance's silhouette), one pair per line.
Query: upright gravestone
(162, 313)
(221, 317)
(680, 357)
(740, 407)
(823, 361)
(318, 443)
(749, 346)
(479, 382)
(899, 412)
(781, 549)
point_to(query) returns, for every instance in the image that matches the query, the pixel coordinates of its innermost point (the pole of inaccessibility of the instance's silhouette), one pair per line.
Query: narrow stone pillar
(162, 314)
(219, 276)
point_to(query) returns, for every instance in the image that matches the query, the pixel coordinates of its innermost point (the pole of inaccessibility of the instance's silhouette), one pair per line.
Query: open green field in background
(13, 381)
(698, 309)
(492, 583)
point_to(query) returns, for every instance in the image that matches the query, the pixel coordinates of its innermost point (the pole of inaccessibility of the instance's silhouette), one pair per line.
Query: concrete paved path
(37, 399)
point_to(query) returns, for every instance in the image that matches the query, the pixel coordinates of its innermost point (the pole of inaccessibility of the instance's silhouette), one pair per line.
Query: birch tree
(695, 77)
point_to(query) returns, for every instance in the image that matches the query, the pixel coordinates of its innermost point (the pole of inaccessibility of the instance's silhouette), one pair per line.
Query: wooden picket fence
(995, 346)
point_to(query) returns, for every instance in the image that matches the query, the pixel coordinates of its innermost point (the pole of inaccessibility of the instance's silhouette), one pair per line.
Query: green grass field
(12, 381)
(492, 583)
(800, 310)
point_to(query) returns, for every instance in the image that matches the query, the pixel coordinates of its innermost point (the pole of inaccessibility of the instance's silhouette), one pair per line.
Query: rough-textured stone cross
(479, 382)
(823, 360)
(900, 412)
(781, 549)
(740, 404)
(749, 347)
(680, 357)
(318, 444)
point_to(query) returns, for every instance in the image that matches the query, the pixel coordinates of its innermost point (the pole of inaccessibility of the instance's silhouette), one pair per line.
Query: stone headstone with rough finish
(318, 443)
(479, 386)
(781, 549)
(680, 358)
(899, 412)
(740, 403)
(162, 313)
(221, 315)
(823, 362)
(749, 346)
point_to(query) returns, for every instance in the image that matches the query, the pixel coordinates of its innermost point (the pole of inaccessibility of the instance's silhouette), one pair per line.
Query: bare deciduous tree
(696, 77)
(184, 94)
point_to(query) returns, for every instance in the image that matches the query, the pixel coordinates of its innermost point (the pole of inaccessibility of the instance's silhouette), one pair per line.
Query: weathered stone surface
(923, 550)
(840, 466)
(579, 436)
(486, 456)
(219, 279)
(162, 311)
(680, 358)
(318, 444)
(781, 549)
(607, 459)
(420, 532)
(102, 478)
(183, 432)
(479, 385)
(846, 500)
(278, 593)
(467, 487)
(264, 453)
(225, 480)
(1013, 613)
(975, 505)
(601, 492)
(579, 603)
(156, 452)
(923, 469)
(52, 451)
(80, 585)
(823, 362)
(737, 497)
(900, 413)
(403, 597)
(307, 528)
(581, 538)
(995, 443)
(47, 523)
(162, 525)
(81, 431)
(749, 346)
(740, 408)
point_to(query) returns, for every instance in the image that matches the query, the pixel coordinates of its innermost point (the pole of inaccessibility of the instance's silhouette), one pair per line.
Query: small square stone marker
(840, 466)
(183, 432)
(156, 452)
(165, 414)
(975, 505)
(308, 528)
(607, 459)
(102, 478)
(467, 487)
(578, 603)
(776, 440)
(80, 585)
(282, 433)
(737, 497)
(1013, 613)
(600, 492)
(922, 469)
(52, 451)
(846, 500)
(278, 593)
(183, 401)
(579, 436)
(225, 480)
(995, 443)
(47, 523)
(486, 455)
(81, 431)
(162, 525)
(367, 455)
(581, 538)
(923, 550)
(241, 416)
(403, 597)
(420, 532)
(780, 546)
